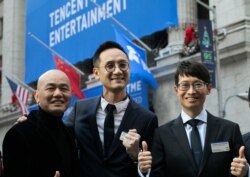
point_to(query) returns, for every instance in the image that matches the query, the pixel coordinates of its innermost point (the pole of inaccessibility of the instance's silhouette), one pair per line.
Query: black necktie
(195, 141)
(108, 128)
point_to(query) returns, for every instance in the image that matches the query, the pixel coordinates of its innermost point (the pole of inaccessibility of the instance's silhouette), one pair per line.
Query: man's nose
(57, 92)
(117, 69)
(191, 89)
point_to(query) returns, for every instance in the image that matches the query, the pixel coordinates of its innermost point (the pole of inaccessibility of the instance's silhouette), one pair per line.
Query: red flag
(73, 76)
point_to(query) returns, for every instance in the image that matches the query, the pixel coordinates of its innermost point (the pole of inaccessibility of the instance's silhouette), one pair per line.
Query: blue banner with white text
(137, 57)
(75, 28)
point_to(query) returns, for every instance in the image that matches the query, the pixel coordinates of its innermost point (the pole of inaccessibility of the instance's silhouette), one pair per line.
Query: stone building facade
(233, 46)
(12, 49)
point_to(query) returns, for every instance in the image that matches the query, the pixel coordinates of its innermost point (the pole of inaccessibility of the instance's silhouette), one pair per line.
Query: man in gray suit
(114, 155)
(196, 143)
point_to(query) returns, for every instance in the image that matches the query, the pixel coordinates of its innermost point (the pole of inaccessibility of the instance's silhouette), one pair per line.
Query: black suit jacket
(172, 155)
(246, 139)
(30, 150)
(118, 163)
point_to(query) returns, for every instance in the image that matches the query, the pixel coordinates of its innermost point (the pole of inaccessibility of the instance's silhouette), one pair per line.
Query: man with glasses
(196, 143)
(109, 128)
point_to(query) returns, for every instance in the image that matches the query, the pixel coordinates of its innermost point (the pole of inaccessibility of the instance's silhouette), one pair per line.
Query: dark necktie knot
(110, 108)
(193, 122)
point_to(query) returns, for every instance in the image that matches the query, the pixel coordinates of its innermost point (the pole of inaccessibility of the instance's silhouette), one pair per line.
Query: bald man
(42, 146)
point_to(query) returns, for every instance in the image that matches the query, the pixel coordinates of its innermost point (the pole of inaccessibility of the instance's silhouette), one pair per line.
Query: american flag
(21, 93)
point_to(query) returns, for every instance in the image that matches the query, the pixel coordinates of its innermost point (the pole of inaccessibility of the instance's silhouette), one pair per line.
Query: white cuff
(148, 173)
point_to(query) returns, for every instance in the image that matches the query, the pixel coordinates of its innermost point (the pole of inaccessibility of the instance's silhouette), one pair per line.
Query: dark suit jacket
(118, 163)
(172, 155)
(246, 139)
(30, 150)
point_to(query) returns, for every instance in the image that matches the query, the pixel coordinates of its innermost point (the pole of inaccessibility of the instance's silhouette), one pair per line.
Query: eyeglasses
(111, 66)
(184, 86)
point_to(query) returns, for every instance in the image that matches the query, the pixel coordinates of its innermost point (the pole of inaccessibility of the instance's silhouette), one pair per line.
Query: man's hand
(144, 158)
(131, 143)
(57, 174)
(239, 166)
(21, 119)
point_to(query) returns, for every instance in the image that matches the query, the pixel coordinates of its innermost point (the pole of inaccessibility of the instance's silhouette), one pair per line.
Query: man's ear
(36, 96)
(175, 88)
(96, 73)
(209, 88)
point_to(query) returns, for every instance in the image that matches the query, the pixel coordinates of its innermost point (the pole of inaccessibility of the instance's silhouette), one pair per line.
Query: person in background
(41, 146)
(108, 146)
(246, 137)
(196, 143)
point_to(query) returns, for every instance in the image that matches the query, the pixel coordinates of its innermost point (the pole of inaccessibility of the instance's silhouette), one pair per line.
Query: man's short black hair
(106, 45)
(194, 69)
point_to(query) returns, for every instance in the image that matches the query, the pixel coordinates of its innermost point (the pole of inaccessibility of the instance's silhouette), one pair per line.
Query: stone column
(187, 14)
(13, 61)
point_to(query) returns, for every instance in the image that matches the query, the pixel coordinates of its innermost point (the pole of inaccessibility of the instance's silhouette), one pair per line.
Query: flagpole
(19, 81)
(51, 50)
(216, 49)
(123, 27)
(22, 83)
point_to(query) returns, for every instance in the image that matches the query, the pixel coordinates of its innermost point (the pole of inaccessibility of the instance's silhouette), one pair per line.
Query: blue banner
(137, 57)
(75, 28)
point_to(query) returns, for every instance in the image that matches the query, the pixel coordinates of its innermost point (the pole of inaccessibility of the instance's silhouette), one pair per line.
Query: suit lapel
(93, 124)
(181, 136)
(211, 134)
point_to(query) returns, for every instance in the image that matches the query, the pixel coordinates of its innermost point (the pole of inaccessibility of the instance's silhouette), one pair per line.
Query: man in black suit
(212, 147)
(41, 146)
(132, 123)
(246, 137)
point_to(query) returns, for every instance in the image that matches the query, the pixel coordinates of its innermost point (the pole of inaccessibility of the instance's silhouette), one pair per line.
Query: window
(203, 13)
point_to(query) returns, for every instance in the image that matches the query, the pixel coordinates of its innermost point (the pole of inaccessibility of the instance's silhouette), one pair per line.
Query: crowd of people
(113, 136)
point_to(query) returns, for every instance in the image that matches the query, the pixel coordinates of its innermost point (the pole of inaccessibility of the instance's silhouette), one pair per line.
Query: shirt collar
(120, 106)
(202, 116)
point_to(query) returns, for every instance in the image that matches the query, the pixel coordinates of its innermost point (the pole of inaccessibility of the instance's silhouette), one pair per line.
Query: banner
(137, 57)
(206, 47)
(75, 28)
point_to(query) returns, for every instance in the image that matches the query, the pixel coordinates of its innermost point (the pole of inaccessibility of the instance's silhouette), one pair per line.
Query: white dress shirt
(118, 115)
(202, 126)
